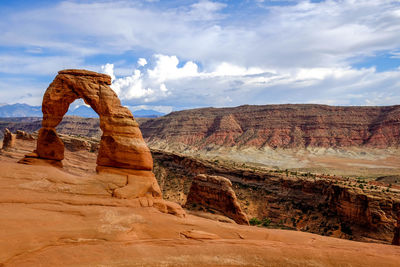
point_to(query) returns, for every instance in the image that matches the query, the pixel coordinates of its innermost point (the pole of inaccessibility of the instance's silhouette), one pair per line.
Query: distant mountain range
(24, 110)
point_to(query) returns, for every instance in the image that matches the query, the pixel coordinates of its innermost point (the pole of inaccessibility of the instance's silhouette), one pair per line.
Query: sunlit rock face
(124, 162)
(121, 144)
(216, 192)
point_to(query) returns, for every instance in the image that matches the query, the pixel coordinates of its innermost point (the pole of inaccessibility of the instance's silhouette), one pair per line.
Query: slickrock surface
(216, 192)
(67, 217)
(9, 139)
(277, 126)
(325, 205)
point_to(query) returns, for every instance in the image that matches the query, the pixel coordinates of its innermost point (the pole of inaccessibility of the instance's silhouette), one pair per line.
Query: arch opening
(121, 143)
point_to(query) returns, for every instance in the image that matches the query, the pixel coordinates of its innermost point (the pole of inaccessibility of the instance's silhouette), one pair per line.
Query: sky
(174, 55)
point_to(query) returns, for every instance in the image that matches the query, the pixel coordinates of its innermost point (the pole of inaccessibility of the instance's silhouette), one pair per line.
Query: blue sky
(172, 55)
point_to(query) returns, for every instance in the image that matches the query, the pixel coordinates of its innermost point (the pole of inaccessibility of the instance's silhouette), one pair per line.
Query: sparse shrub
(254, 221)
(266, 222)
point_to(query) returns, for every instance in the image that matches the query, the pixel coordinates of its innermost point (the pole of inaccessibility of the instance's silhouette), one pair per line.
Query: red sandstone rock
(396, 236)
(277, 126)
(8, 140)
(121, 144)
(323, 205)
(49, 145)
(50, 217)
(216, 192)
(24, 135)
(123, 156)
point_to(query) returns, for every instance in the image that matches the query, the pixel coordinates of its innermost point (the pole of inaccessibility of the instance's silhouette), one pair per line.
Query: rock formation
(50, 217)
(326, 205)
(24, 135)
(123, 157)
(8, 140)
(396, 236)
(121, 144)
(216, 192)
(276, 126)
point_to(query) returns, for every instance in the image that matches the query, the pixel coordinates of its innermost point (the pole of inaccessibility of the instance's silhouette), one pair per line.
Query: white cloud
(205, 10)
(325, 34)
(302, 52)
(167, 69)
(395, 55)
(172, 83)
(108, 69)
(142, 62)
(162, 109)
(228, 69)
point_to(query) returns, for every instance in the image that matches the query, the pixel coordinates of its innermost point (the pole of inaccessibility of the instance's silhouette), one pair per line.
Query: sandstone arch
(124, 162)
(121, 144)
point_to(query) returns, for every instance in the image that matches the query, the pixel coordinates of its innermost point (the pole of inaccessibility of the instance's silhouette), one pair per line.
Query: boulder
(216, 192)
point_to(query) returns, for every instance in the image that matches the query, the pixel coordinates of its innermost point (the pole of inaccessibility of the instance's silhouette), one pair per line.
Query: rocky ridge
(276, 126)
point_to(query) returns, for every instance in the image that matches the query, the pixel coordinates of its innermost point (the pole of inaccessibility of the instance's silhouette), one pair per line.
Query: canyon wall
(276, 126)
(331, 206)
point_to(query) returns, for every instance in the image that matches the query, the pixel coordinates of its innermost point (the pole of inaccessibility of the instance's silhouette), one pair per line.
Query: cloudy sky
(172, 55)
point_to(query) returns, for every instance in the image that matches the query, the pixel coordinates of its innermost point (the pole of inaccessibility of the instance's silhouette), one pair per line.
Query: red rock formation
(277, 126)
(8, 140)
(24, 135)
(121, 144)
(122, 154)
(323, 205)
(396, 236)
(216, 192)
(53, 218)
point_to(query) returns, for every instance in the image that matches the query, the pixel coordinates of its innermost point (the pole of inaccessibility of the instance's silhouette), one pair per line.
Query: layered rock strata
(326, 205)
(276, 126)
(122, 155)
(216, 192)
(265, 126)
